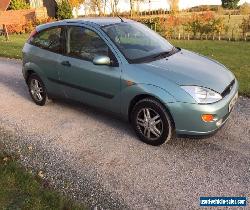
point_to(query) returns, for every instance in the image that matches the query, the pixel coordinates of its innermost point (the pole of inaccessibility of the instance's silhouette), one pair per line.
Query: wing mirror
(102, 60)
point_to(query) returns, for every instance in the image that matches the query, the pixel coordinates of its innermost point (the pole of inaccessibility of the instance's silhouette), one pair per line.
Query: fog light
(218, 124)
(207, 117)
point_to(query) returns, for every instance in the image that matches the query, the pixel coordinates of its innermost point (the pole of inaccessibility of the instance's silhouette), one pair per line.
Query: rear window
(50, 39)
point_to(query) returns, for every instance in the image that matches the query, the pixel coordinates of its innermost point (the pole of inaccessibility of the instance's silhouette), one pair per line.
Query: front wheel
(151, 122)
(37, 90)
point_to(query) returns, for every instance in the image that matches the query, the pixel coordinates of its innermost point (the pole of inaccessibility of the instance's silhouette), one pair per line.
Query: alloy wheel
(150, 123)
(36, 90)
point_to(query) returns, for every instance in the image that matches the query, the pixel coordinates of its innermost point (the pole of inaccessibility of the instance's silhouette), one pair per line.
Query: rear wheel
(37, 90)
(151, 122)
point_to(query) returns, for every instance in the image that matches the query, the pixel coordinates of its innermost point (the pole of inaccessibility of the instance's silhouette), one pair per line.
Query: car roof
(101, 21)
(97, 22)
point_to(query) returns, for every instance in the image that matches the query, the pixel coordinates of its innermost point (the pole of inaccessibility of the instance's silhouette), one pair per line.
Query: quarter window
(50, 39)
(85, 44)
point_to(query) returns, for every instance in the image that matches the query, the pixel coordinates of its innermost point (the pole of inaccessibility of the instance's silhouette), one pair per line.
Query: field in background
(234, 55)
(174, 26)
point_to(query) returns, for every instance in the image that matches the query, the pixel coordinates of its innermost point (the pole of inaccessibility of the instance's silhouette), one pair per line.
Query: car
(124, 67)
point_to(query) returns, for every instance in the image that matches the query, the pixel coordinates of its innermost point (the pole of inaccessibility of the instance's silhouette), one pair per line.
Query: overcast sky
(183, 3)
(187, 3)
(155, 4)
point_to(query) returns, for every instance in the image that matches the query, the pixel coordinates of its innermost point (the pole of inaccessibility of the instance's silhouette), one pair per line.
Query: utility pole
(6, 33)
(149, 7)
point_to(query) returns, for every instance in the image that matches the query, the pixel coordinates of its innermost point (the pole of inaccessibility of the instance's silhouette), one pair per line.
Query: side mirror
(101, 60)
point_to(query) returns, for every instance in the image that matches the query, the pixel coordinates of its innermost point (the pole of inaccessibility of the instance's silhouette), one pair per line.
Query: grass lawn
(12, 48)
(234, 55)
(21, 190)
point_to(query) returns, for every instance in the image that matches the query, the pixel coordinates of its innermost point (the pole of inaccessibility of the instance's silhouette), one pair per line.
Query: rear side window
(49, 39)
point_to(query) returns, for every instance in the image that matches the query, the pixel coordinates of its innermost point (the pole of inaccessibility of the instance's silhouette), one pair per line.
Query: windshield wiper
(166, 53)
(162, 54)
(156, 56)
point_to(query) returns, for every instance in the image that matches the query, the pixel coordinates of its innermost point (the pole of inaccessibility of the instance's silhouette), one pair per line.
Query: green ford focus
(125, 68)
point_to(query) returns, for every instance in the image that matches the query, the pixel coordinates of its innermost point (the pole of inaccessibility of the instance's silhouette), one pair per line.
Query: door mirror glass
(101, 60)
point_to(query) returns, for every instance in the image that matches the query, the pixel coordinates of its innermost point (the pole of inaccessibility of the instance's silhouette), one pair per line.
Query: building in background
(4, 4)
(50, 5)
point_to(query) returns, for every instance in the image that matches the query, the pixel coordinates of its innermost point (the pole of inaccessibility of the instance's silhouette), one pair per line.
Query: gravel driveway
(97, 159)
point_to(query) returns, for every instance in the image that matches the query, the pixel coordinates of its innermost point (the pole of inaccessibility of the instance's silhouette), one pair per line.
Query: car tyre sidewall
(45, 99)
(167, 133)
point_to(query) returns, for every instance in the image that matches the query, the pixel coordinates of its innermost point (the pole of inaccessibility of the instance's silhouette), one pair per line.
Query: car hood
(188, 68)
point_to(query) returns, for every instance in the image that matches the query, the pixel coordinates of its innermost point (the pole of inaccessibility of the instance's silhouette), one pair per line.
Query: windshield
(137, 42)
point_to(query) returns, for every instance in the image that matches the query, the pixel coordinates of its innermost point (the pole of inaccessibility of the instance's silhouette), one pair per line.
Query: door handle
(66, 63)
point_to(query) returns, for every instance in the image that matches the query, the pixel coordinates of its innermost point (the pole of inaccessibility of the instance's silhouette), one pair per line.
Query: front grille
(228, 89)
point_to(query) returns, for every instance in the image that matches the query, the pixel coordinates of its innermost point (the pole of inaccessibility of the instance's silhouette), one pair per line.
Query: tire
(154, 128)
(36, 86)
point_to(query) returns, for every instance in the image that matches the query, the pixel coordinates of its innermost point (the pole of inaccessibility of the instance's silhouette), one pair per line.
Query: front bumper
(187, 117)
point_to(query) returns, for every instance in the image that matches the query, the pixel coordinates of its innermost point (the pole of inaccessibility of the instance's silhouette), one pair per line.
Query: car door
(43, 54)
(97, 85)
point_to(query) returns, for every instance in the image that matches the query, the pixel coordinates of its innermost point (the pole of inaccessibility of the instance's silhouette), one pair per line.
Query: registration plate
(233, 102)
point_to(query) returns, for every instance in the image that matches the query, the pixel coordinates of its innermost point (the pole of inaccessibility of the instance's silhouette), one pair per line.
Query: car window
(49, 39)
(137, 42)
(128, 35)
(85, 44)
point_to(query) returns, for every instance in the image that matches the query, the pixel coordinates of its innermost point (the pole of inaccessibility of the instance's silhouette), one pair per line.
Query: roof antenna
(120, 18)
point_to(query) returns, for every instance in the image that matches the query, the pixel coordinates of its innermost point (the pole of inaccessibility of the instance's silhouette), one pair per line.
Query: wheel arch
(28, 73)
(140, 97)
(30, 68)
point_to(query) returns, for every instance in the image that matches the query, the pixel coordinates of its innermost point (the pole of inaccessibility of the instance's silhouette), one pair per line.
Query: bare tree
(135, 6)
(174, 5)
(131, 2)
(96, 6)
(114, 7)
(104, 7)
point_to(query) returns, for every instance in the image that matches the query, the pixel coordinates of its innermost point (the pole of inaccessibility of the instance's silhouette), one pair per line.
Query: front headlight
(202, 95)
